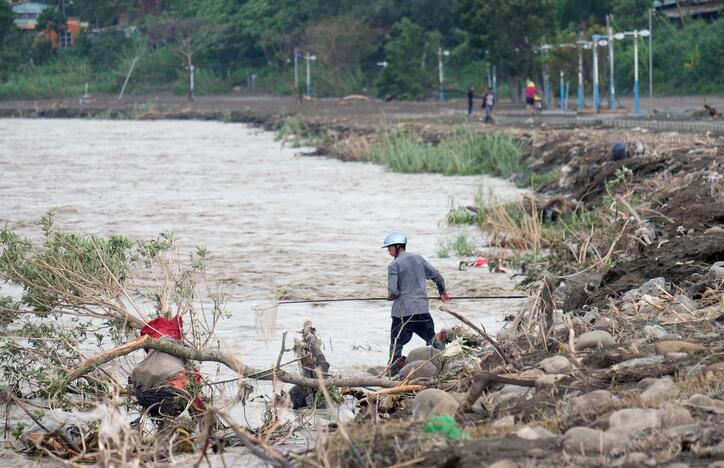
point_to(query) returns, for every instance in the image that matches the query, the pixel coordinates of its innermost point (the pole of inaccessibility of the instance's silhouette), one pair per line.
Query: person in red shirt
(530, 91)
(164, 383)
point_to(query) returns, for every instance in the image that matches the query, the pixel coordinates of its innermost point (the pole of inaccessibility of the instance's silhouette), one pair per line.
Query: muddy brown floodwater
(274, 222)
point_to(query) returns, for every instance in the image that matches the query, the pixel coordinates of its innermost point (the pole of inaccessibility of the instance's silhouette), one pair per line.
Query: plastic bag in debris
(445, 426)
(618, 151)
(73, 424)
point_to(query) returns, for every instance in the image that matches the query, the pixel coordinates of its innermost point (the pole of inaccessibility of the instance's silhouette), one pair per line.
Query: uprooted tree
(82, 292)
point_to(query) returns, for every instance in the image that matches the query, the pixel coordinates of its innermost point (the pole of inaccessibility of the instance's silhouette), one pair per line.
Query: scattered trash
(445, 426)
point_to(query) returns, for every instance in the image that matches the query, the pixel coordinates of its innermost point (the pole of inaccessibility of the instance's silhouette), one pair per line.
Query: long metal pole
(612, 86)
(191, 81)
(495, 84)
(128, 77)
(596, 91)
(580, 79)
(563, 90)
(309, 77)
(296, 71)
(547, 88)
(440, 73)
(636, 72)
(362, 299)
(651, 65)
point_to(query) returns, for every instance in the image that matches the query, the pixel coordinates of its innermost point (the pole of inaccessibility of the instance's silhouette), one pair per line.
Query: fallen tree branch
(226, 359)
(483, 380)
(480, 331)
(398, 389)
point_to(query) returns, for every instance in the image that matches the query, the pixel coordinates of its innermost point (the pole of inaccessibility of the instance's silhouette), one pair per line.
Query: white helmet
(394, 238)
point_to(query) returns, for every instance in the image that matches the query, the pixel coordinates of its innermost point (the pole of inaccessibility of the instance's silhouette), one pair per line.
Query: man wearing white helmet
(407, 276)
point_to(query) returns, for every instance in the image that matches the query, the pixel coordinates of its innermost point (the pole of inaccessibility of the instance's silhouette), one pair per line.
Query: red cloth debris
(480, 262)
(162, 326)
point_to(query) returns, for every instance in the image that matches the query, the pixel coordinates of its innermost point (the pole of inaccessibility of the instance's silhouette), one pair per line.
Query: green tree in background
(582, 13)
(100, 13)
(631, 14)
(51, 19)
(505, 32)
(407, 53)
(10, 40)
(341, 44)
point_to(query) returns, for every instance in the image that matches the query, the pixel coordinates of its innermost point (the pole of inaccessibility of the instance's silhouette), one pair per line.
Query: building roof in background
(26, 13)
(679, 9)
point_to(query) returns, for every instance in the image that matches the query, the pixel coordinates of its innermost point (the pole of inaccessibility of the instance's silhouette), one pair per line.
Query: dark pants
(403, 328)
(161, 402)
(488, 114)
(470, 107)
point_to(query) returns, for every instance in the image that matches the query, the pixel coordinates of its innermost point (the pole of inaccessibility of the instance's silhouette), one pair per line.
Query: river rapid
(275, 223)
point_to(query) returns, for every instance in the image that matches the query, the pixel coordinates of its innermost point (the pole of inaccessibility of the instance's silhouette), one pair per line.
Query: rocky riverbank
(617, 357)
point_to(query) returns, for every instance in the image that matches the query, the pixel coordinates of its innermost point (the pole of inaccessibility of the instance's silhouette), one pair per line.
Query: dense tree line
(227, 41)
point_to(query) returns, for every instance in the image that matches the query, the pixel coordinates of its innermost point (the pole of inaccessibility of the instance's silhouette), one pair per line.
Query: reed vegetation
(463, 152)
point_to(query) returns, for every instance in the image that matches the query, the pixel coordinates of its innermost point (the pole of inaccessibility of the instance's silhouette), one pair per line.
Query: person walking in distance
(407, 276)
(530, 91)
(488, 104)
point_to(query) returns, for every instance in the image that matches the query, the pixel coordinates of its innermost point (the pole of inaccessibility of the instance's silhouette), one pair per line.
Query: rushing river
(275, 223)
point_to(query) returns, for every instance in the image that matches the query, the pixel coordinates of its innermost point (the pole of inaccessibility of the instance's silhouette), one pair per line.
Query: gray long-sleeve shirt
(406, 279)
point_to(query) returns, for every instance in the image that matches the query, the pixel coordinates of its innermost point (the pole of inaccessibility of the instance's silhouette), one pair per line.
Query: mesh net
(265, 320)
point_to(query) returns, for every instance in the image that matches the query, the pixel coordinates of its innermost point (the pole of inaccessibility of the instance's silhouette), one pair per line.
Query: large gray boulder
(589, 441)
(433, 402)
(659, 390)
(555, 365)
(632, 421)
(590, 404)
(594, 339)
(425, 353)
(418, 370)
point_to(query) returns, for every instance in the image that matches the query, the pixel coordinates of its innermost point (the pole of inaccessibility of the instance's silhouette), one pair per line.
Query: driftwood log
(228, 360)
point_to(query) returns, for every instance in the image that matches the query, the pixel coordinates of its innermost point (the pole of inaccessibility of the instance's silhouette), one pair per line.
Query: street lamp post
(596, 90)
(546, 75)
(309, 57)
(636, 34)
(580, 45)
(597, 41)
(636, 72)
(495, 85)
(612, 86)
(440, 54)
(563, 91)
(296, 71)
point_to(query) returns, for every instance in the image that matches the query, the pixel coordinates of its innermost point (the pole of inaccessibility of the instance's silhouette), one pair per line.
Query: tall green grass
(464, 152)
(66, 76)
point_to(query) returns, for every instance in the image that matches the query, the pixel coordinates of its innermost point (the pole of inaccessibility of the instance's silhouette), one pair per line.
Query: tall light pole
(612, 86)
(547, 89)
(440, 54)
(597, 40)
(580, 45)
(651, 65)
(495, 85)
(296, 71)
(636, 72)
(635, 34)
(546, 75)
(563, 91)
(309, 57)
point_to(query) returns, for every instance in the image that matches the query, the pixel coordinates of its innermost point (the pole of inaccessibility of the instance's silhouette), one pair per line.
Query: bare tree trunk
(228, 360)
(190, 67)
(511, 86)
